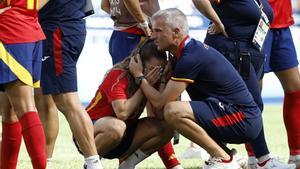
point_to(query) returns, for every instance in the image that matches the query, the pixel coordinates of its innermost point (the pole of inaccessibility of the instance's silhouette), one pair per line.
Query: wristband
(144, 24)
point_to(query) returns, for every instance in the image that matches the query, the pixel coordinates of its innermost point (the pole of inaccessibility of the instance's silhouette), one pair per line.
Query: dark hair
(147, 50)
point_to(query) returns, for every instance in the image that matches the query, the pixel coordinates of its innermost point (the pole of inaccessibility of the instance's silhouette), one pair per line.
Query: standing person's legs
(121, 44)
(283, 61)
(49, 116)
(59, 79)
(20, 66)
(11, 134)
(22, 101)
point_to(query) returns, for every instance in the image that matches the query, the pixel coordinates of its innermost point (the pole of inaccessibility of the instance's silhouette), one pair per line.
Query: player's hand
(216, 28)
(4, 9)
(145, 27)
(136, 66)
(153, 75)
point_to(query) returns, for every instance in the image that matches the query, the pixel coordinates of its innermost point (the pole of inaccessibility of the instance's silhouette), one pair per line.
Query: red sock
(249, 149)
(167, 155)
(34, 139)
(291, 113)
(11, 142)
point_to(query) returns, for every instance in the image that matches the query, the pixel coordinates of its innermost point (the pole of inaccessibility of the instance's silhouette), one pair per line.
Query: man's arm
(158, 99)
(204, 6)
(172, 91)
(134, 8)
(105, 6)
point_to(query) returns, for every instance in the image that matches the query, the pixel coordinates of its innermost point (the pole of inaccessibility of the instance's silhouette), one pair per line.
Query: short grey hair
(174, 18)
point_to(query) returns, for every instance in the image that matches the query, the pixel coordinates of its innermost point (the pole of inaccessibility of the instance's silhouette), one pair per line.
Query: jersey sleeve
(116, 85)
(186, 69)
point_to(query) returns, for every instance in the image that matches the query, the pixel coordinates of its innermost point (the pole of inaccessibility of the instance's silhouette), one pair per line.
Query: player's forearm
(126, 109)
(135, 101)
(134, 8)
(204, 6)
(105, 6)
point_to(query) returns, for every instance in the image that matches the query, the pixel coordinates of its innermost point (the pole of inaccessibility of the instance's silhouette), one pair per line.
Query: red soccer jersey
(283, 13)
(20, 23)
(112, 88)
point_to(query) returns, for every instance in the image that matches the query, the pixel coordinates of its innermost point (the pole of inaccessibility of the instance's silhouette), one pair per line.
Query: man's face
(162, 34)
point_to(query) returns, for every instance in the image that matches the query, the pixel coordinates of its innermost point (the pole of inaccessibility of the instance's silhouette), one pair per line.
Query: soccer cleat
(193, 152)
(217, 163)
(274, 163)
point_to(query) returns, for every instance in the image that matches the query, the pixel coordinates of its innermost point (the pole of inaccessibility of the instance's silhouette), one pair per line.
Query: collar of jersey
(182, 44)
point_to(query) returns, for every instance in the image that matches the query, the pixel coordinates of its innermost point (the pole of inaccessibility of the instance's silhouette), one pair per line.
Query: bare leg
(79, 121)
(21, 98)
(180, 116)
(108, 132)
(49, 117)
(290, 81)
(145, 143)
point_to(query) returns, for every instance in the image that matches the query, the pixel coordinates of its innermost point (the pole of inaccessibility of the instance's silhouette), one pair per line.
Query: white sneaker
(242, 161)
(193, 152)
(274, 163)
(216, 163)
(94, 166)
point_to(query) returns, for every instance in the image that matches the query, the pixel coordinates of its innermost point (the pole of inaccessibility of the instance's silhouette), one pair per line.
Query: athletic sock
(249, 149)
(34, 138)
(167, 155)
(291, 109)
(133, 160)
(11, 142)
(49, 163)
(92, 162)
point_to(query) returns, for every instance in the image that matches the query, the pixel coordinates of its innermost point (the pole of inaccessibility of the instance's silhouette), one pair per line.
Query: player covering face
(117, 106)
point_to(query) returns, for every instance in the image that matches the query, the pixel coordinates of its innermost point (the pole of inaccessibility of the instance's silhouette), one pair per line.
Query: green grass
(66, 157)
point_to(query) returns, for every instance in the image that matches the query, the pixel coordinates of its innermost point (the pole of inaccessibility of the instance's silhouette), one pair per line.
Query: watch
(138, 80)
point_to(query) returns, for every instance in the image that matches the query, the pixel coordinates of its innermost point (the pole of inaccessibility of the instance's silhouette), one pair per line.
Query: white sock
(252, 160)
(133, 160)
(92, 162)
(263, 158)
(49, 163)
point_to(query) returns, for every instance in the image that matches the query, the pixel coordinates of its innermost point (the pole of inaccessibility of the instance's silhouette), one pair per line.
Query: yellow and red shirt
(19, 24)
(283, 13)
(112, 88)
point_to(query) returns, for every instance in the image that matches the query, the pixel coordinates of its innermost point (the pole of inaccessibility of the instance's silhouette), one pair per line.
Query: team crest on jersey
(205, 46)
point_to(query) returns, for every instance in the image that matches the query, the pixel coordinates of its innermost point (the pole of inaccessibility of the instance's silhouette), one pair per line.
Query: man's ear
(176, 32)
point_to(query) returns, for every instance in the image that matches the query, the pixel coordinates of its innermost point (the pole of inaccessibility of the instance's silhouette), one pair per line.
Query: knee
(116, 130)
(171, 114)
(68, 107)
